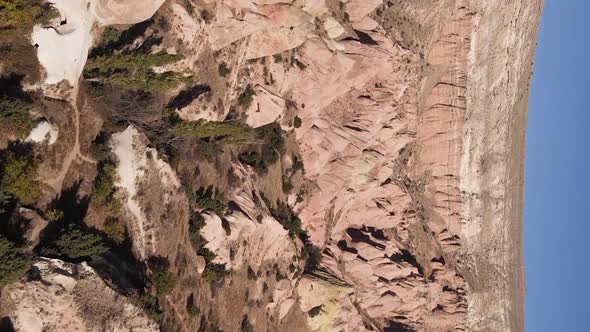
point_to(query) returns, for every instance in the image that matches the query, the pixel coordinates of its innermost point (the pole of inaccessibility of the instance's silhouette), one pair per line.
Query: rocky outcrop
(60, 296)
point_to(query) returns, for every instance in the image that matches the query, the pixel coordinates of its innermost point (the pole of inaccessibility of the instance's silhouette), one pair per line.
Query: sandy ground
(43, 131)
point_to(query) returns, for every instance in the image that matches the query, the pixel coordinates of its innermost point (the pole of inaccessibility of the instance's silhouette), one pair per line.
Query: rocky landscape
(263, 165)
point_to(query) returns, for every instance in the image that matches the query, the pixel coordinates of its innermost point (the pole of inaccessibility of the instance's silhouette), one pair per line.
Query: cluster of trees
(261, 156)
(219, 132)
(135, 71)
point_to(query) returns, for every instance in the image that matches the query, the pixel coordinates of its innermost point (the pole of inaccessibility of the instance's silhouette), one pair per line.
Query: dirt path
(56, 182)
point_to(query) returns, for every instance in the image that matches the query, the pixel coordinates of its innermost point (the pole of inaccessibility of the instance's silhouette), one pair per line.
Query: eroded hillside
(264, 165)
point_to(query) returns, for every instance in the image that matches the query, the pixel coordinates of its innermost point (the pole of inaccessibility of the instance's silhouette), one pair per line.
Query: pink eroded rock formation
(384, 99)
(396, 134)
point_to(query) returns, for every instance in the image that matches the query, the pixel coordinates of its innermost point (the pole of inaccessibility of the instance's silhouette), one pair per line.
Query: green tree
(13, 264)
(75, 243)
(15, 116)
(19, 178)
(104, 184)
(135, 71)
(226, 132)
(161, 278)
(246, 98)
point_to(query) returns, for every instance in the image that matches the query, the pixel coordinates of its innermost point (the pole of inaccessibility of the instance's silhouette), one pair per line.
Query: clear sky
(557, 199)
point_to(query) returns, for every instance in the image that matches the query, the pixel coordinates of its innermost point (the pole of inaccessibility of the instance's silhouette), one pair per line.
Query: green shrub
(223, 69)
(75, 243)
(196, 223)
(13, 264)
(214, 272)
(151, 306)
(104, 184)
(297, 122)
(19, 177)
(210, 199)
(246, 98)
(162, 279)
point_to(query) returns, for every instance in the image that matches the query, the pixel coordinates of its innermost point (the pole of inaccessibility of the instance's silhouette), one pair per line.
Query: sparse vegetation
(13, 264)
(291, 222)
(54, 215)
(196, 223)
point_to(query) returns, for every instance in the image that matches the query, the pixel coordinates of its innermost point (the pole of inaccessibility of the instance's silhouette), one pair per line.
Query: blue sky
(557, 199)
